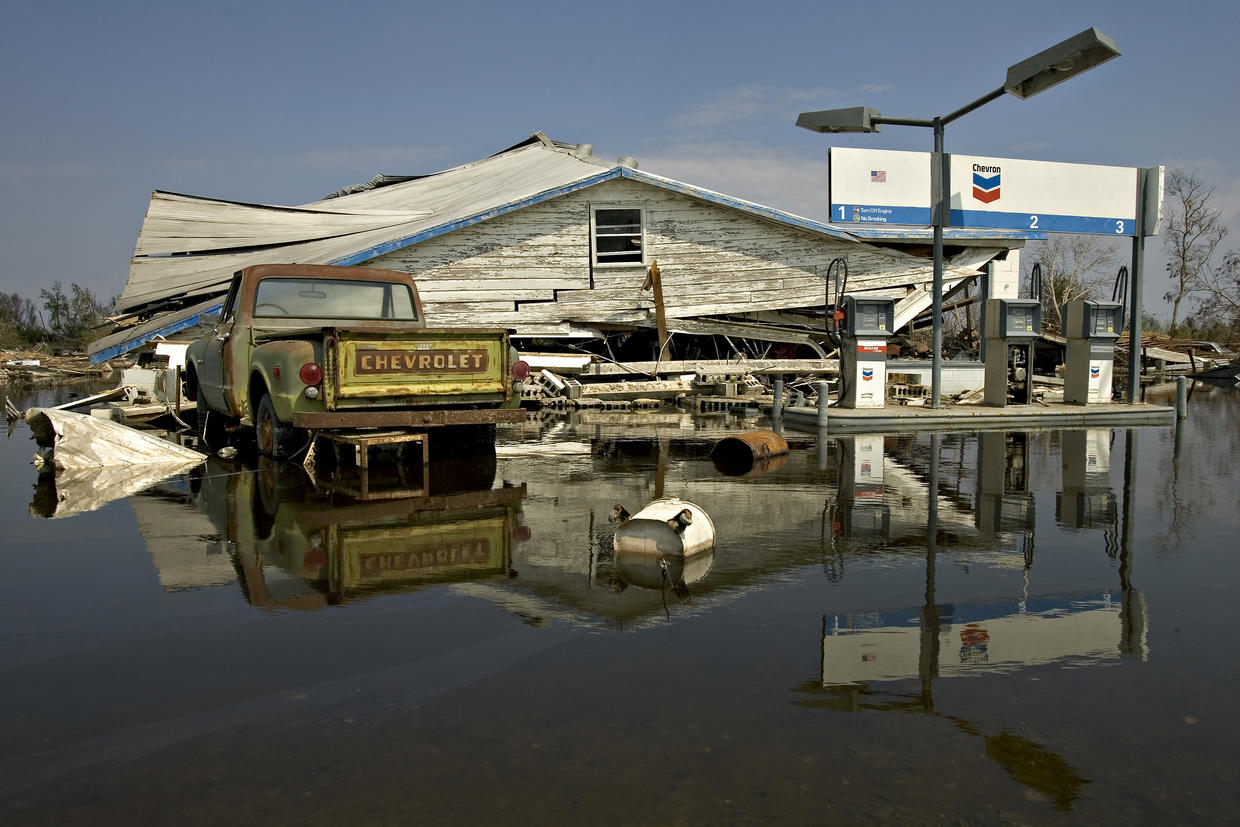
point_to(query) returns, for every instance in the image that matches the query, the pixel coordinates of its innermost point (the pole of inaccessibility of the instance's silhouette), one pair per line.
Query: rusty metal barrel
(742, 453)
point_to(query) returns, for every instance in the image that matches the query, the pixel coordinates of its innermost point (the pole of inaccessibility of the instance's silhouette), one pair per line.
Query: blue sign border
(871, 214)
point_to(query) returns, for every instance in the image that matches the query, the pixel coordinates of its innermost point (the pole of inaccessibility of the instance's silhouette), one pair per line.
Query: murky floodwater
(1048, 637)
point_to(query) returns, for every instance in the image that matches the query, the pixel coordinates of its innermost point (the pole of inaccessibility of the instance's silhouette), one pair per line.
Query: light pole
(1042, 71)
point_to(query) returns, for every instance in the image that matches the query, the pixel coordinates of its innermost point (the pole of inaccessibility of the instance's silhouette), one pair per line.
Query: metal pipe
(822, 404)
(969, 107)
(777, 404)
(1181, 397)
(1134, 314)
(939, 177)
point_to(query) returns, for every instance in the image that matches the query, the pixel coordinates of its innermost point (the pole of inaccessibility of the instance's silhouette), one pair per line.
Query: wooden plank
(429, 295)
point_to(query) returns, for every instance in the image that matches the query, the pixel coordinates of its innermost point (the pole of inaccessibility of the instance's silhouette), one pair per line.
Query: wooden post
(660, 318)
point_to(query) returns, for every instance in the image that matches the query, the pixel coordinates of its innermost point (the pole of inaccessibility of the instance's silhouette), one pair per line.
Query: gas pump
(1012, 326)
(1004, 501)
(863, 329)
(860, 513)
(1087, 499)
(1092, 328)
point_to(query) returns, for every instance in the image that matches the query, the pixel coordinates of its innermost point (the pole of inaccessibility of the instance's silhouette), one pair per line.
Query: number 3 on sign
(1033, 222)
(1119, 227)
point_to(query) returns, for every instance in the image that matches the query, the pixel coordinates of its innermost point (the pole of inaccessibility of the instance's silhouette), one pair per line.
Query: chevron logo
(867, 374)
(1094, 371)
(986, 187)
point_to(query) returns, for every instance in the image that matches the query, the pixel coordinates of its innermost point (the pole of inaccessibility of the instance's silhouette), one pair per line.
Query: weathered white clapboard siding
(713, 261)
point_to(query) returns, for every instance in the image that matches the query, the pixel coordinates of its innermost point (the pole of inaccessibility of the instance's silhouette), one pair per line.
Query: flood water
(1047, 638)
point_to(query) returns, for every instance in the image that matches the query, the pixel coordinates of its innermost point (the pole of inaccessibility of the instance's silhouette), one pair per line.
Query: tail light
(520, 370)
(311, 374)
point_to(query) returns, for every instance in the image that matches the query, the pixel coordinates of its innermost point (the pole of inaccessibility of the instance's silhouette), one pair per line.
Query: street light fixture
(1048, 68)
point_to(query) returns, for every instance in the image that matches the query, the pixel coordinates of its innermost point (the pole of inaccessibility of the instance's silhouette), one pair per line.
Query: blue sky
(283, 102)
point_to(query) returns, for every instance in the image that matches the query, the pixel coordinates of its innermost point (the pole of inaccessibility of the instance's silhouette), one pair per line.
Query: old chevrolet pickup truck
(305, 348)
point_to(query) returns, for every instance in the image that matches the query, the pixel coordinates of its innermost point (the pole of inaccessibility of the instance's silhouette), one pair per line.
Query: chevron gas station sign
(891, 187)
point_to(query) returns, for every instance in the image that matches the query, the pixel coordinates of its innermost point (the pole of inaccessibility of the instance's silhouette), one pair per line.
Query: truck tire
(275, 439)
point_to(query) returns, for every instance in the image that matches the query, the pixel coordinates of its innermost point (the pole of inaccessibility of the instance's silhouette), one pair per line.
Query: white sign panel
(874, 186)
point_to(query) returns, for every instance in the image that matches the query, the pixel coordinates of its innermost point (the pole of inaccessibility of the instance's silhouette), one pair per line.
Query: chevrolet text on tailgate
(302, 348)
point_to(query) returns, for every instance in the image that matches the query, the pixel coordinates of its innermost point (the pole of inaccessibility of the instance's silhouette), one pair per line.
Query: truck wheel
(275, 439)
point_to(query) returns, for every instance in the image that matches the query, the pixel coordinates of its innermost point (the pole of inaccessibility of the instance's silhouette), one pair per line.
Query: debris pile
(33, 367)
(698, 392)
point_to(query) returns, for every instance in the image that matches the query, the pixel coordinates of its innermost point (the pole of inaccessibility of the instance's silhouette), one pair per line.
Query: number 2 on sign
(1033, 222)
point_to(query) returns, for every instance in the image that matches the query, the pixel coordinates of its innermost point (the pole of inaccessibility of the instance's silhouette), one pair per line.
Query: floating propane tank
(651, 572)
(669, 543)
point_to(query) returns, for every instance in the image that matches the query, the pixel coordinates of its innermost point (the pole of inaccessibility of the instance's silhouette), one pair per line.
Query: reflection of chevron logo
(986, 187)
(867, 374)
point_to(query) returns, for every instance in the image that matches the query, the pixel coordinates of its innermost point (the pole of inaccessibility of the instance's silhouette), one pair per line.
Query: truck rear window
(308, 298)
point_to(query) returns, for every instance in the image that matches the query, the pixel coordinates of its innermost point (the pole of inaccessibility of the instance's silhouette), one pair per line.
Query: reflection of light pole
(1025, 79)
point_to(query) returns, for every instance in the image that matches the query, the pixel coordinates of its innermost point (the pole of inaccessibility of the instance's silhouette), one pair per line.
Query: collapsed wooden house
(549, 241)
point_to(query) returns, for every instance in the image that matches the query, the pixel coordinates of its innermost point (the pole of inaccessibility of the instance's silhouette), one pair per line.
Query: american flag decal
(878, 176)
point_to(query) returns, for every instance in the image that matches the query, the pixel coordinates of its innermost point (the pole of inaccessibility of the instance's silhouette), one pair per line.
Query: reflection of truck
(301, 348)
(298, 548)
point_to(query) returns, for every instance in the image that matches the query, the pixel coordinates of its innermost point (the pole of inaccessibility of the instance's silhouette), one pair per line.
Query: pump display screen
(1104, 321)
(1020, 320)
(868, 316)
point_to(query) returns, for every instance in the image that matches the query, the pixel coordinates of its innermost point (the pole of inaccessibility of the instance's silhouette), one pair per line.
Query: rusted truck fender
(274, 368)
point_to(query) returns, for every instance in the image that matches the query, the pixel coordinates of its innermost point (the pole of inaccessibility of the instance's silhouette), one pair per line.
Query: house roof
(189, 247)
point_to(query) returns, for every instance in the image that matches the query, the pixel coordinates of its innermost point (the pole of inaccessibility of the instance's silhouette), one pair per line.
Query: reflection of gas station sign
(875, 186)
(973, 639)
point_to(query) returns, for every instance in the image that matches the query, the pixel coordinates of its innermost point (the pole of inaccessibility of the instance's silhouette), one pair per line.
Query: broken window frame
(609, 259)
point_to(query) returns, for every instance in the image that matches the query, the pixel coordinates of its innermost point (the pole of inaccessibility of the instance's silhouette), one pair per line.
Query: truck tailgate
(428, 363)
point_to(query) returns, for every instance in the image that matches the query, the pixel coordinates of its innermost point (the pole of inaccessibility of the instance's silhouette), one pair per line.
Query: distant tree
(56, 303)
(72, 317)
(1151, 323)
(1073, 267)
(1217, 311)
(19, 321)
(1193, 232)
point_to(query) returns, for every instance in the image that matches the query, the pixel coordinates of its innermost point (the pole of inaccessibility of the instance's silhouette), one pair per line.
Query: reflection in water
(866, 655)
(360, 532)
(1086, 499)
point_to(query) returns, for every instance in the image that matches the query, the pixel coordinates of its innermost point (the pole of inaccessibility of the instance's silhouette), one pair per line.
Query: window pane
(618, 220)
(618, 236)
(333, 299)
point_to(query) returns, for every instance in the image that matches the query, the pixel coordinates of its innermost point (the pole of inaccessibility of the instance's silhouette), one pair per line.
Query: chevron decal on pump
(1094, 371)
(867, 374)
(985, 187)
